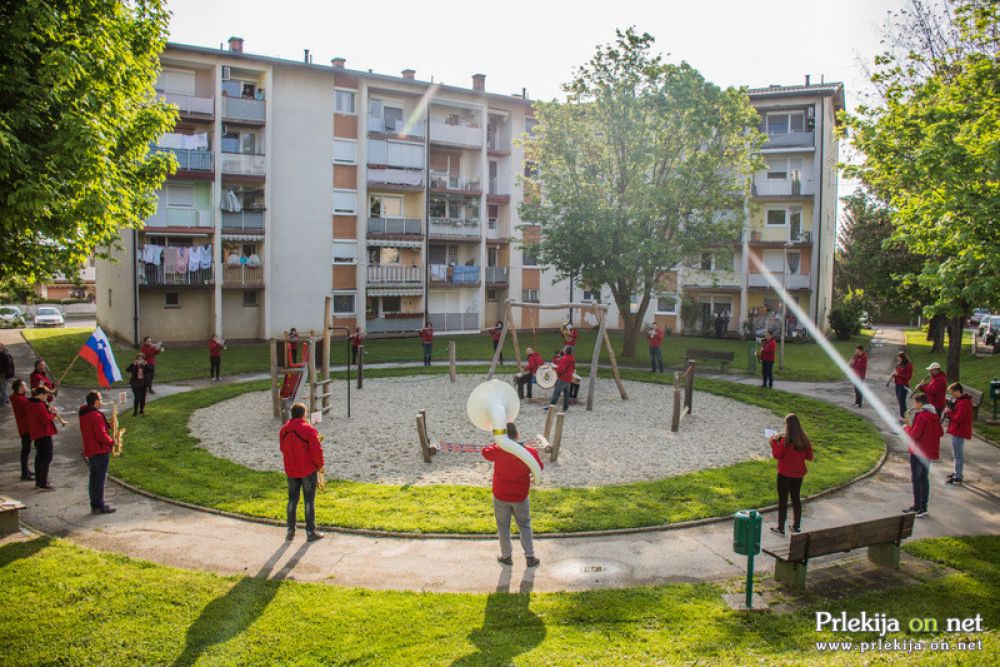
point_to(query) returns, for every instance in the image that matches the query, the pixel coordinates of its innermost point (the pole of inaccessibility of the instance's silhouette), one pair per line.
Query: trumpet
(117, 433)
(321, 473)
(55, 413)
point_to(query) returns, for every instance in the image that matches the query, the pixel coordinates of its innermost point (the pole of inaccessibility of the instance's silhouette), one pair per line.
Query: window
(345, 151)
(385, 206)
(344, 101)
(781, 169)
(250, 299)
(438, 207)
(784, 122)
(591, 296)
(776, 217)
(345, 252)
(345, 202)
(343, 304)
(392, 304)
(666, 303)
(774, 260)
(529, 295)
(529, 256)
(379, 256)
(393, 118)
(180, 195)
(172, 299)
(443, 254)
(491, 295)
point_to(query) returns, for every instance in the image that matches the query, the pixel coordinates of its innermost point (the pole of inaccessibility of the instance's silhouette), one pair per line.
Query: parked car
(49, 316)
(984, 323)
(11, 317)
(977, 316)
(992, 336)
(865, 320)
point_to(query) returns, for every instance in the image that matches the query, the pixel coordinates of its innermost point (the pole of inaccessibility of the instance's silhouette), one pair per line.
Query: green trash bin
(746, 542)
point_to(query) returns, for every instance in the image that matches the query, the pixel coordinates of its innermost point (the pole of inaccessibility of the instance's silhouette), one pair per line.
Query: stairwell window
(345, 202)
(529, 295)
(344, 100)
(343, 304)
(345, 252)
(250, 299)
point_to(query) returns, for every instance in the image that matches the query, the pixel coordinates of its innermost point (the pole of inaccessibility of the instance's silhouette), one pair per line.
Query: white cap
(935, 366)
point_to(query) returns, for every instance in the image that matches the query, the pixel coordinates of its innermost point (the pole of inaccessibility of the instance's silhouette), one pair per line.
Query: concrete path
(163, 533)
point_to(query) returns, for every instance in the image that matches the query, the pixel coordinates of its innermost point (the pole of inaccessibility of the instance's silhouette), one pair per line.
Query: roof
(833, 89)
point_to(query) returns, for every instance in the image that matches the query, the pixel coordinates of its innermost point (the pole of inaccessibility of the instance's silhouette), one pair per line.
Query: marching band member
(427, 342)
(533, 363)
(569, 334)
(859, 363)
(495, 333)
(924, 446)
(41, 428)
(357, 340)
(901, 376)
(40, 378)
(95, 432)
(19, 404)
(565, 368)
(149, 350)
(511, 483)
(215, 348)
(138, 379)
(768, 346)
(936, 388)
(303, 457)
(655, 336)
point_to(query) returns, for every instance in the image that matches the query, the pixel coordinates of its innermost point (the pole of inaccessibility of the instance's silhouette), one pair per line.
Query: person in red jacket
(531, 366)
(569, 334)
(901, 376)
(766, 354)
(859, 364)
(19, 404)
(303, 457)
(495, 334)
(149, 350)
(427, 342)
(40, 378)
(357, 340)
(95, 431)
(511, 483)
(936, 388)
(565, 369)
(41, 428)
(655, 347)
(215, 348)
(959, 428)
(792, 449)
(925, 446)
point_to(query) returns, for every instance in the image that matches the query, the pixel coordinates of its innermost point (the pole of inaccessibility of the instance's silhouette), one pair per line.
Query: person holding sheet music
(791, 449)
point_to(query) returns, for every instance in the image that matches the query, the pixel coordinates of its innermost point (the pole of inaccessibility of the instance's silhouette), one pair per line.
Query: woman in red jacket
(95, 432)
(959, 428)
(41, 428)
(19, 404)
(792, 449)
(859, 364)
(511, 483)
(925, 446)
(902, 375)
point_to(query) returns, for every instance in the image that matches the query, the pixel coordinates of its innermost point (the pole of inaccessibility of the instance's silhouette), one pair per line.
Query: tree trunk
(935, 332)
(956, 327)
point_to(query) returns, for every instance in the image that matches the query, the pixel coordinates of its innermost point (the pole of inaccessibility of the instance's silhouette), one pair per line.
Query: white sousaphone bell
(490, 406)
(546, 376)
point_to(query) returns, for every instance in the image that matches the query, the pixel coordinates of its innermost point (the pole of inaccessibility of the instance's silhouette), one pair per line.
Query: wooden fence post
(675, 422)
(451, 360)
(548, 421)
(557, 437)
(689, 385)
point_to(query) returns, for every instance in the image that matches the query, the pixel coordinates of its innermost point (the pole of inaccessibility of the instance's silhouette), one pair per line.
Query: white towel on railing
(439, 272)
(151, 254)
(206, 257)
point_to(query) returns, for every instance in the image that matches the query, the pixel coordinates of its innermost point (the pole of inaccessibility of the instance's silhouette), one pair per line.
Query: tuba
(117, 433)
(490, 406)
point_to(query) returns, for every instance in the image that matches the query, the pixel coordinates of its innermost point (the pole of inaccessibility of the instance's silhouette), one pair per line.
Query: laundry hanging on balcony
(230, 202)
(206, 257)
(151, 254)
(195, 142)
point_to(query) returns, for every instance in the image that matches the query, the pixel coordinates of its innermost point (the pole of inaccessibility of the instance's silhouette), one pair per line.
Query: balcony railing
(180, 217)
(498, 138)
(248, 219)
(454, 227)
(189, 159)
(791, 233)
(151, 275)
(764, 187)
(190, 104)
(394, 322)
(493, 230)
(395, 274)
(244, 164)
(239, 108)
(402, 177)
(454, 321)
(443, 274)
(242, 276)
(790, 140)
(458, 135)
(703, 278)
(497, 275)
(794, 280)
(443, 182)
(394, 126)
(394, 226)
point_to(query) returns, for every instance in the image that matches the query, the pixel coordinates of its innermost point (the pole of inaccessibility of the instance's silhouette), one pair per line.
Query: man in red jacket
(565, 368)
(925, 446)
(97, 443)
(531, 366)
(215, 348)
(511, 483)
(41, 428)
(859, 364)
(303, 457)
(656, 347)
(19, 404)
(149, 350)
(936, 388)
(427, 342)
(959, 428)
(767, 350)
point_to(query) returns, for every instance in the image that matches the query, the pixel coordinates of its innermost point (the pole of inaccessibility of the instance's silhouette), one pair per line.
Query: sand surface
(619, 442)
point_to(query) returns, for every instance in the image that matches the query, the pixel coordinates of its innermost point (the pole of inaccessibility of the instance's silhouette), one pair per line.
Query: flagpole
(61, 377)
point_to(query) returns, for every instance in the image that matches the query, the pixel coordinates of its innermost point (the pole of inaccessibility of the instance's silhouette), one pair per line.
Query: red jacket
(570, 338)
(150, 351)
(960, 417)
(565, 367)
(767, 348)
(925, 434)
(791, 461)
(859, 362)
(96, 432)
(936, 390)
(511, 478)
(19, 404)
(38, 379)
(427, 335)
(40, 421)
(535, 362)
(300, 448)
(357, 339)
(904, 374)
(214, 348)
(656, 339)
(495, 334)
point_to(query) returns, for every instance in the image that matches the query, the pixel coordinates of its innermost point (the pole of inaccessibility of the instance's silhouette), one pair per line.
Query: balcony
(456, 135)
(244, 164)
(180, 217)
(780, 234)
(395, 274)
(764, 187)
(404, 179)
(454, 321)
(151, 275)
(455, 228)
(497, 275)
(493, 231)
(190, 105)
(242, 276)
(394, 322)
(454, 275)
(244, 110)
(395, 127)
(247, 219)
(794, 280)
(498, 139)
(189, 159)
(790, 140)
(394, 226)
(711, 279)
(453, 184)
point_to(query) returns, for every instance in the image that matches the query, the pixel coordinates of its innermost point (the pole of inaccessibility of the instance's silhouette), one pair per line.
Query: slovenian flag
(98, 353)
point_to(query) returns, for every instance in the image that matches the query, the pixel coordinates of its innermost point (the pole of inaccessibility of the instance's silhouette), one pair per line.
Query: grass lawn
(59, 346)
(71, 606)
(162, 456)
(976, 373)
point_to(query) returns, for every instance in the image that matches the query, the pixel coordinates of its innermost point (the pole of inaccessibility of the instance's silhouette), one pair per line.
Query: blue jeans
(767, 373)
(901, 396)
(958, 447)
(561, 388)
(920, 476)
(428, 347)
(521, 511)
(98, 474)
(308, 487)
(656, 358)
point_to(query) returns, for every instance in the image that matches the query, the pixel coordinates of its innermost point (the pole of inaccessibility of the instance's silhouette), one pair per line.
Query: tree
(77, 117)
(932, 152)
(645, 163)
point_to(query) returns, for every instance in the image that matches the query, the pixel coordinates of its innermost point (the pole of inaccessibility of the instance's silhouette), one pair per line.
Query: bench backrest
(708, 354)
(853, 536)
(977, 396)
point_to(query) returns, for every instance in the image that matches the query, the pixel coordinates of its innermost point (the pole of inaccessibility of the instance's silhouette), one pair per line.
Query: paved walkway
(164, 533)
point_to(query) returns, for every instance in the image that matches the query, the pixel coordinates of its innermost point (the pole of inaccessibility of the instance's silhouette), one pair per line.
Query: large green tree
(931, 150)
(644, 163)
(77, 117)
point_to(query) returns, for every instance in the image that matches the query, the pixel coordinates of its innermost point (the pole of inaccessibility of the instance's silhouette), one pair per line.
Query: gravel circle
(619, 442)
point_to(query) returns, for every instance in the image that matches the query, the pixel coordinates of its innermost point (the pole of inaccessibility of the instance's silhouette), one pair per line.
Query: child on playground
(766, 353)
(791, 449)
(511, 483)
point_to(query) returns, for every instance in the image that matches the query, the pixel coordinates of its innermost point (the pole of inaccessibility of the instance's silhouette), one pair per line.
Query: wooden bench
(881, 537)
(715, 355)
(10, 510)
(977, 400)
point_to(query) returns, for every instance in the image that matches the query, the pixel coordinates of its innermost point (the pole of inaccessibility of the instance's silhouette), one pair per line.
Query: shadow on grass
(22, 549)
(230, 615)
(510, 628)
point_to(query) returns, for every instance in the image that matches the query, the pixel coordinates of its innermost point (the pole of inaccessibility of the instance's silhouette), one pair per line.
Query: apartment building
(398, 197)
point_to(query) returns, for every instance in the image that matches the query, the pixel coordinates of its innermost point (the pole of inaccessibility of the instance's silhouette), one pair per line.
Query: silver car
(49, 316)
(11, 316)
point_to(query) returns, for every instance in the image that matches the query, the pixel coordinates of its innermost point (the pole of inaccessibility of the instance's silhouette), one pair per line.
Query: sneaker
(796, 529)
(951, 480)
(289, 536)
(778, 531)
(956, 480)
(30, 477)
(951, 475)
(910, 510)
(107, 509)
(921, 514)
(312, 537)
(531, 562)
(506, 560)
(47, 487)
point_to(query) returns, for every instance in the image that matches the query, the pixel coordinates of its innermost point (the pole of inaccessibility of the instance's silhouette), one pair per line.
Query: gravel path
(619, 442)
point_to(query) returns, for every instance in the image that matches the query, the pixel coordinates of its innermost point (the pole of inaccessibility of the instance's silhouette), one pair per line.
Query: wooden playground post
(503, 337)
(548, 421)
(327, 322)
(592, 384)
(451, 360)
(675, 422)
(557, 437)
(614, 366)
(689, 385)
(425, 448)
(275, 391)
(509, 324)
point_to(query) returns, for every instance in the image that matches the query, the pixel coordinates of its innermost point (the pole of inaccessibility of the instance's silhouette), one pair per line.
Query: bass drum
(546, 376)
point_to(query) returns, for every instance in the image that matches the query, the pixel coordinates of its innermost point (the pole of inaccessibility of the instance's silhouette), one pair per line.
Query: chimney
(409, 74)
(305, 55)
(338, 63)
(479, 82)
(807, 79)
(236, 44)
